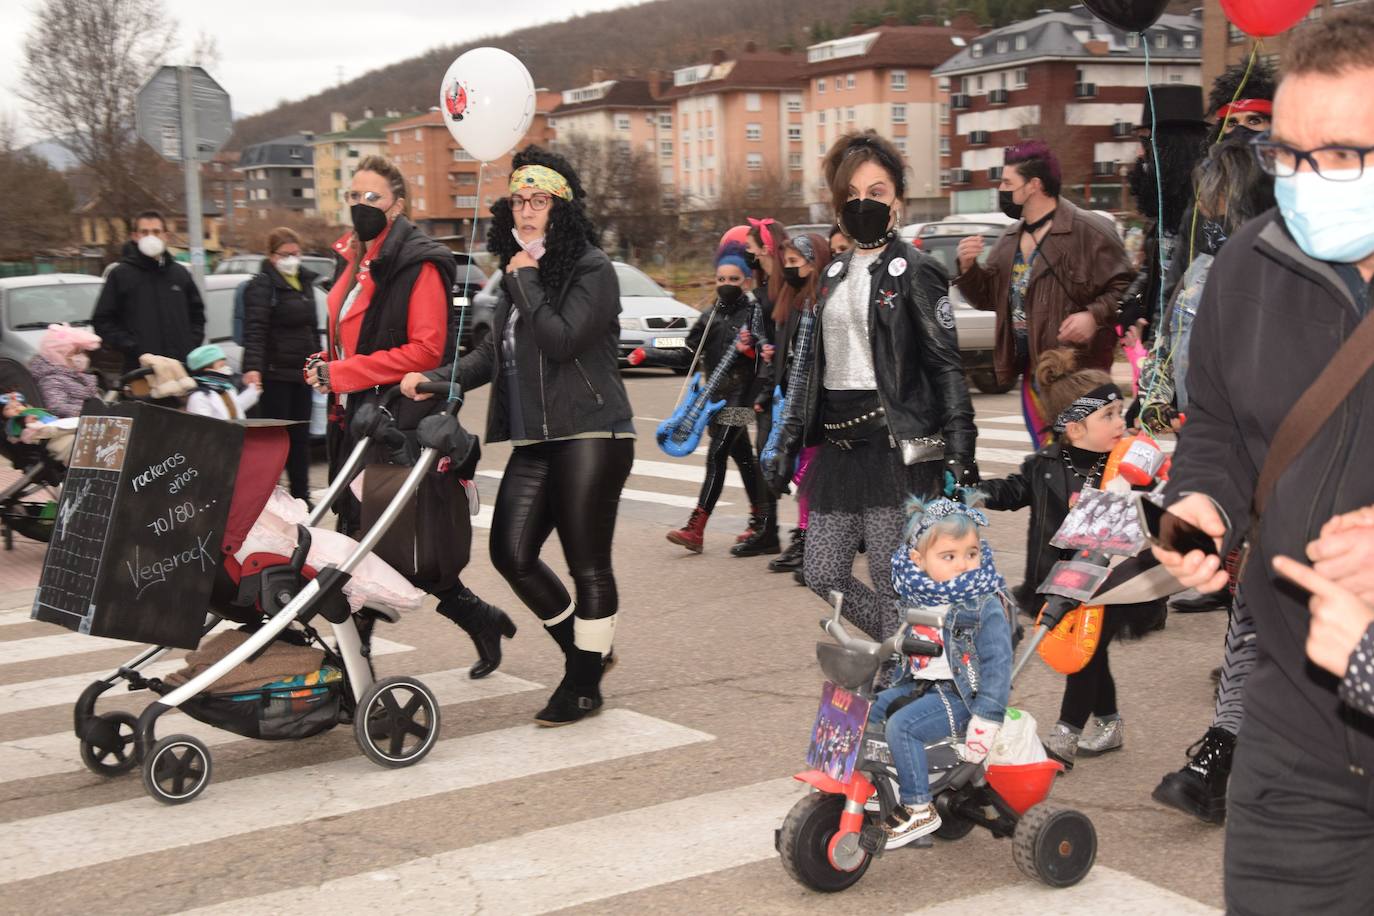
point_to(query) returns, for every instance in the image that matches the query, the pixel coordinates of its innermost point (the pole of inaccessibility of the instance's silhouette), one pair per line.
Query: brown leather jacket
(1086, 256)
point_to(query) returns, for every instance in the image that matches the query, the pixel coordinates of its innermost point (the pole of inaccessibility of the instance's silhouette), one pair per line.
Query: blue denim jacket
(977, 637)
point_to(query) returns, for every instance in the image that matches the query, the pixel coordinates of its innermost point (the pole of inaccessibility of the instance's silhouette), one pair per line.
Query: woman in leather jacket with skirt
(886, 401)
(557, 397)
(729, 334)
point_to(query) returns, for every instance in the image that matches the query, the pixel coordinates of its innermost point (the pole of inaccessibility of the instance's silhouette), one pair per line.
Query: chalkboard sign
(136, 543)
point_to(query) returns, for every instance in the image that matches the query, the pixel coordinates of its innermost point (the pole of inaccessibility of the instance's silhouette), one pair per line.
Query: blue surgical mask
(1330, 220)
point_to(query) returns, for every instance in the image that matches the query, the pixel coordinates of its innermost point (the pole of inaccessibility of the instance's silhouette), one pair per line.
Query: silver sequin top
(844, 322)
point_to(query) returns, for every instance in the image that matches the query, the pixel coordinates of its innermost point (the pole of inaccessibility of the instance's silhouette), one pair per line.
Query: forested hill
(661, 33)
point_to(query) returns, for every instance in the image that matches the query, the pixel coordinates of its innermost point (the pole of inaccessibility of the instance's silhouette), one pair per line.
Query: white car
(29, 304)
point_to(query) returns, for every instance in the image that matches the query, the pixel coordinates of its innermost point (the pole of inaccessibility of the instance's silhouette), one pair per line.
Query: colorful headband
(767, 237)
(939, 509)
(540, 178)
(1086, 405)
(803, 247)
(1259, 106)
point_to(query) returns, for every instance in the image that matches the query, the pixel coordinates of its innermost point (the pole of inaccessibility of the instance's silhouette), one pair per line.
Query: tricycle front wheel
(804, 844)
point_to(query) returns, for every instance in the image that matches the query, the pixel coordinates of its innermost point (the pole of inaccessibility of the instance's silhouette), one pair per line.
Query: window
(295, 173)
(686, 163)
(849, 81)
(665, 147)
(1234, 35)
(794, 132)
(976, 50)
(622, 122)
(1002, 46)
(420, 203)
(465, 201)
(944, 178)
(944, 146)
(898, 114)
(753, 132)
(461, 155)
(1175, 77)
(839, 84)
(820, 84)
(665, 120)
(338, 174)
(310, 193)
(1132, 40)
(1020, 42)
(1190, 41)
(849, 114)
(820, 117)
(420, 158)
(1021, 79)
(419, 133)
(1162, 40)
(710, 133)
(753, 101)
(897, 81)
(754, 162)
(297, 192)
(419, 181)
(794, 104)
(794, 161)
(820, 148)
(944, 112)
(965, 85)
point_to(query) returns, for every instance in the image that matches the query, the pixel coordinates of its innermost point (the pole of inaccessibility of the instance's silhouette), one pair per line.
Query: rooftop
(1077, 34)
(293, 150)
(614, 93)
(916, 46)
(748, 70)
(370, 129)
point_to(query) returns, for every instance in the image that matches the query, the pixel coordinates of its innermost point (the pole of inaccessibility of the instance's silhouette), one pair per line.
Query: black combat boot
(485, 623)
(791, 558)
(1199, 788)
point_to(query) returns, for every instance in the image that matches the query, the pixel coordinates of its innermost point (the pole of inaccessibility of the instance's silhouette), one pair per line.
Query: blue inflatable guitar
(680, 434)
(800, 361)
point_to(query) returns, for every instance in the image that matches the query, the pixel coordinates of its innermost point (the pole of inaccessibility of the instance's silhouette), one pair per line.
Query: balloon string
(453, 393)
(1159, 180)
(1221, 135)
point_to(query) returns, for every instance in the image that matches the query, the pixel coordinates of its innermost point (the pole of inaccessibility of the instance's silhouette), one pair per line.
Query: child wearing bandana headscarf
(1089, 423)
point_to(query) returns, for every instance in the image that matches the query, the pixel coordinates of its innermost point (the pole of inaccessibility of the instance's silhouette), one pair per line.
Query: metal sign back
(158, 114)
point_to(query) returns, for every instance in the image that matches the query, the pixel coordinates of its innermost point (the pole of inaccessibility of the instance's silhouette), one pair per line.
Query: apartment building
(881, 79)
(337, 155)
(626, 111)
(280, 174)
(443, 178)
(1069, 79)
(1223, 44)
(738, 126)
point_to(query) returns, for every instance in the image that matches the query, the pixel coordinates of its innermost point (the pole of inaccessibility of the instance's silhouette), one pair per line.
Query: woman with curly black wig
(558, 398)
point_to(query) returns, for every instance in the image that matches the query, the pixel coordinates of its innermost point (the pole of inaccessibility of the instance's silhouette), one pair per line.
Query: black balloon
(1131, 15)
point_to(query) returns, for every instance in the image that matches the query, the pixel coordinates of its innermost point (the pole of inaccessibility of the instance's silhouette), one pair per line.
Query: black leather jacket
(915, 352)
(740, 385)
(566, 358)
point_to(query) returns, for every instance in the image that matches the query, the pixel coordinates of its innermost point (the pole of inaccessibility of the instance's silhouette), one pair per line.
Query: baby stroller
(28, 505)
(395, 720)
(831, 836)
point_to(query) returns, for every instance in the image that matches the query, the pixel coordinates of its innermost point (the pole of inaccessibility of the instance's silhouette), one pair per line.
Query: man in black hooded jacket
(150, 303)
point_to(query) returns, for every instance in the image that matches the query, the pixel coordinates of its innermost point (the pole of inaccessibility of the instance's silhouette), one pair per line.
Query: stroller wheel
(177, 769)
(397, 722)
(108, 747)
(1055, 845)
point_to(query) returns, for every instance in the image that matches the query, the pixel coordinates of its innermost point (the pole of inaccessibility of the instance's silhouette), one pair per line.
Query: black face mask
(368, 222)
(793, 277)
(752, 260)
(729, 294)
(867, 221)
(1008, 206)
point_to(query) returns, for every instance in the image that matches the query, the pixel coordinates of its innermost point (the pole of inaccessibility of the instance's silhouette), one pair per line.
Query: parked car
(321, 265)
(977, 329)
(29, 304)
(649, 315)
(821, 229)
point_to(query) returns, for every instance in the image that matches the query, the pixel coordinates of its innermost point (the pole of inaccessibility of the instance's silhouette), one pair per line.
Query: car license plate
(669, 342)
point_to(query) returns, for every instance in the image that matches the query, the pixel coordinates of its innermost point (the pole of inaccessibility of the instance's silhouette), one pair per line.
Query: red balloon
(1266, 18)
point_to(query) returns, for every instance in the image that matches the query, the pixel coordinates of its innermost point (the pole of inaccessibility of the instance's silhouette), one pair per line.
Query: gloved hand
(978, 739)
(777, 474)
(637, 356)
(445, 433)
(964, 471)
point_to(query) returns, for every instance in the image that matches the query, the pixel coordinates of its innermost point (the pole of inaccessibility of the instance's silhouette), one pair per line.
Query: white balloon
(487, 98)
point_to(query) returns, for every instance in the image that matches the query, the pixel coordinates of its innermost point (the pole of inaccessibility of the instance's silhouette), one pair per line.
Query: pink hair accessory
(769, 245)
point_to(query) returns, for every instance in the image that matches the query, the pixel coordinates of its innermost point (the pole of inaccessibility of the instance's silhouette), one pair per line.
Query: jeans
(915, 725)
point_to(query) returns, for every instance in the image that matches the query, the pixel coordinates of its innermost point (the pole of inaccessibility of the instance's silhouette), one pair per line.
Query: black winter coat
(149, 306)
(740, 386)
(915, 352)
(567, 353)
(1270, 320)
(281, 327)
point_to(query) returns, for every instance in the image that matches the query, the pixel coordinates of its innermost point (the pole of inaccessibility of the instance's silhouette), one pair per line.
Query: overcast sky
(272, 51)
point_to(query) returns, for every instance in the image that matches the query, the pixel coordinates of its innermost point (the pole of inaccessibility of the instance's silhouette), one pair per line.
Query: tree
(84, 62)
(39, 218)
(624, 196)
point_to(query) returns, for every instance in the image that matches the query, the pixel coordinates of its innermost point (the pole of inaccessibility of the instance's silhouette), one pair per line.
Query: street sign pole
(190, 161)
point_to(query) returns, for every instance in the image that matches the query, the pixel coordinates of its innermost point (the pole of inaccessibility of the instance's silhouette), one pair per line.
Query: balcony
(1104, 169)
(995, 173)
(998, 97)
(1122, 130)
(979, 138)
(960, 102)
(960, 176)
(1085, 90)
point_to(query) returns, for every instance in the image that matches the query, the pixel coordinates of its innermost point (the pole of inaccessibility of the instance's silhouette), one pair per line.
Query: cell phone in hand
(1171, 532)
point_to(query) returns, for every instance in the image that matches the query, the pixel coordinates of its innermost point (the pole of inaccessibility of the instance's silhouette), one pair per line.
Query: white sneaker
(906, 825)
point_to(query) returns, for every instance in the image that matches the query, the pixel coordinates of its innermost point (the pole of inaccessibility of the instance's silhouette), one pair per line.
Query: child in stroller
(965, 682)
(27, 504)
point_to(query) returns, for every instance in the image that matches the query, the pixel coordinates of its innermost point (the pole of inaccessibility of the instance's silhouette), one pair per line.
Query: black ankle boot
(1199, 788)
(483, 622)
(791, 558)
(764, 540)
(580, 693)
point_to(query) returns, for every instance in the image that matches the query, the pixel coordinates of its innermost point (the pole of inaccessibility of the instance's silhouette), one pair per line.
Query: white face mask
(152, 246)
(289, 265)
(534, 249)
(1330, 220)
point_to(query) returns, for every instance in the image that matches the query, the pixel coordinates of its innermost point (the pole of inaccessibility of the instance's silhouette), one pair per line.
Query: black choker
(1035, 226)
(889, 236)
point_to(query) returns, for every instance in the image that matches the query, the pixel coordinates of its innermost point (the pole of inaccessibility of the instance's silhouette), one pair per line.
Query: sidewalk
(20, 567)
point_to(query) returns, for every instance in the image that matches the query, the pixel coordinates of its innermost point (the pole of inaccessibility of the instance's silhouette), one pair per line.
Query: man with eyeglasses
(1284, 295)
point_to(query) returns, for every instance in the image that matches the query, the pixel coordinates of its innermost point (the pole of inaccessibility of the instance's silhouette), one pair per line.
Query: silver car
(977, 329)
(29, 304)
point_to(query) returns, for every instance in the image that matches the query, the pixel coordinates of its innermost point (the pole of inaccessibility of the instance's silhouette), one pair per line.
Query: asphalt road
(666, 802)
